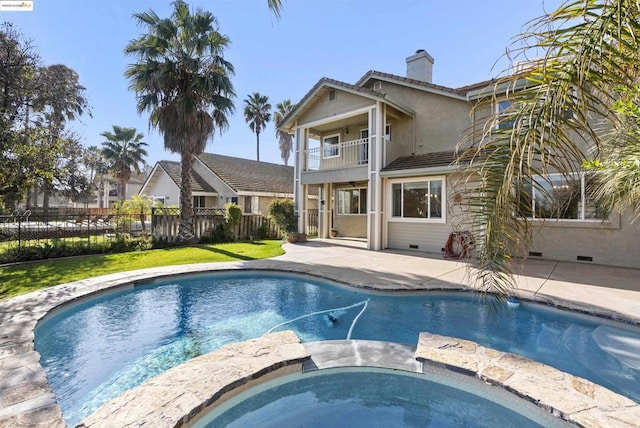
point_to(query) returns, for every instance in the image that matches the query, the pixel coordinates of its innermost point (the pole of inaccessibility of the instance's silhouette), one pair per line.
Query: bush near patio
(283, 213)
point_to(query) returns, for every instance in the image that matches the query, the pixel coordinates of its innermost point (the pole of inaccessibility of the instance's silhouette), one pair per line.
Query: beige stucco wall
(324, 108)
(615, 244)
(352, 225)
(440, 121)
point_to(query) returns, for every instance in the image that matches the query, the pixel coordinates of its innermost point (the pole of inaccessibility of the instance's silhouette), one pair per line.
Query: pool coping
(27, 400)
(182, 395)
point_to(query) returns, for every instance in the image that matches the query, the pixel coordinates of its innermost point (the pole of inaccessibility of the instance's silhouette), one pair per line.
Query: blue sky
(340, 39)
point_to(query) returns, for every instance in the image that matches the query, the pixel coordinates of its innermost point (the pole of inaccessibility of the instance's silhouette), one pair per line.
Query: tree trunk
(258, 144)
(46, 192)
(122, 194)
(185, 232)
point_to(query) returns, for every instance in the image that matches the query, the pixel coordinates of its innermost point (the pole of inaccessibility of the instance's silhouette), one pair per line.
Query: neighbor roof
(198, 184)
(244, 175)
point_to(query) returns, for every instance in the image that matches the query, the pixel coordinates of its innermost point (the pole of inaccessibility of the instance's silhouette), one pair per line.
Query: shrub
(282, 213)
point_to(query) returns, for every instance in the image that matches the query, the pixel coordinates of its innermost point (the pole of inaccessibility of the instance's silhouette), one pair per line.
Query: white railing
(344, 155)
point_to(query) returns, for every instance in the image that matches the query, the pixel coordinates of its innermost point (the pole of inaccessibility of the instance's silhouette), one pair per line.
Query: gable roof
(244, 175)
(198, 183)
(412, 83)
(325, 82)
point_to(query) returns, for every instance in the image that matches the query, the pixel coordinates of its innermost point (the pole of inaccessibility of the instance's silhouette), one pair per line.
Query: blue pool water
(364, 397)
(97, 349)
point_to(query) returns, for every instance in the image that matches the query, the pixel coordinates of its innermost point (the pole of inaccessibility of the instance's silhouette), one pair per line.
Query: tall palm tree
(124, 152)
(275, 6)
(285, 139)
(257, 113)
(563, 113)
(182, 79)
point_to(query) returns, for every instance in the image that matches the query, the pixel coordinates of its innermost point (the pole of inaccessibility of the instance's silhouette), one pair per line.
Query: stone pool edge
(180, 396)
(177, 397)
(566, 396)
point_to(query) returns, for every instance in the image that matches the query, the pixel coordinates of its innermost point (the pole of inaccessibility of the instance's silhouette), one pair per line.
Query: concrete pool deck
(26, 399)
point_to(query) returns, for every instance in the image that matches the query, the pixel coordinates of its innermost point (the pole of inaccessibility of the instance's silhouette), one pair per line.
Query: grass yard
(25, 277)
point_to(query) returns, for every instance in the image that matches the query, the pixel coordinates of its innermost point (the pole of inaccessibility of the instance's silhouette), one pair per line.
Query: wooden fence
(208, 221)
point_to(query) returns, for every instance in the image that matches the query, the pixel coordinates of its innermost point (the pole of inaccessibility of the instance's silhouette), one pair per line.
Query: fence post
(19, 232)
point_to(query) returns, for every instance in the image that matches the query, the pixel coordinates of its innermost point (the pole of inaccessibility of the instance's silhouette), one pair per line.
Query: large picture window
(352, 201)
(418, 199)
(331, 146)
(559, 197)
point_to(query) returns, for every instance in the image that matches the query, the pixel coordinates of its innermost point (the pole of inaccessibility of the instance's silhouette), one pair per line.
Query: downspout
(413, 125)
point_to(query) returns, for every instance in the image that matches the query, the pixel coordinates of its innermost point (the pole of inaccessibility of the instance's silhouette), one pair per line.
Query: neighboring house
(218, 179)
(111, 189)
(105, 196)
(380, 151)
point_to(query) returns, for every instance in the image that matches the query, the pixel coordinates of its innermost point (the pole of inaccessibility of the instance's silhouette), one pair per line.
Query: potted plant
(334, 233)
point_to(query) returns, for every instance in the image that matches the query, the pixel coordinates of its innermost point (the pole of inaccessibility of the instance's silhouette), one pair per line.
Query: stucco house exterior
(218, 179)
(380, 153)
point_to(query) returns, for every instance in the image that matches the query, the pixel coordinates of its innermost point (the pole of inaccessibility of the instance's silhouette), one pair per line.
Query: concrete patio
(26, 399)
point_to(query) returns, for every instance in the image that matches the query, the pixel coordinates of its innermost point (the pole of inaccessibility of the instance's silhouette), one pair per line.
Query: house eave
(436, 91)
(414, 172)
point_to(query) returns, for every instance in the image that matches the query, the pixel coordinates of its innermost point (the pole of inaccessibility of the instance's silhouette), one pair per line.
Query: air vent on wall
(377, 86)
(535, 254)
(332, 94)
(584, 259)
(413, 246)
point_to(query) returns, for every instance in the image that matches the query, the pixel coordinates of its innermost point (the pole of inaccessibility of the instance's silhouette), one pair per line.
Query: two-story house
(380, 153)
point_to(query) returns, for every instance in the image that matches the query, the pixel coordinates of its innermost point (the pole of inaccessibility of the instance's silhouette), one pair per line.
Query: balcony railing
(344, 155)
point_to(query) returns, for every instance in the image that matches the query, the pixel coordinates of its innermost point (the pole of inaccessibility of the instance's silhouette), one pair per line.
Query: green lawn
(25, 277)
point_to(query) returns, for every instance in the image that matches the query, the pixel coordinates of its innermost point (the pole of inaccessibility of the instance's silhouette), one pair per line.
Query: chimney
(420, 66)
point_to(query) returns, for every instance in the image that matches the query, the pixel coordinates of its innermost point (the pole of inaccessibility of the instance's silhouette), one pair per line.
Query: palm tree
(257, 113)
(275, 6)
(124, 152)
(183, 80)
(564, 111)
(284, 138)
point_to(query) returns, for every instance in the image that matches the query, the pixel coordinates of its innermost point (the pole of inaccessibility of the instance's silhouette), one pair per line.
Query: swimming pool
(369, 397)
(94, 350)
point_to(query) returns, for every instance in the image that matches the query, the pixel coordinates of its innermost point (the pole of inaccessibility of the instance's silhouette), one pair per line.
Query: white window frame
(443, 205)
(500, 112)
(582, 210)
(337, 146)
(359, 201)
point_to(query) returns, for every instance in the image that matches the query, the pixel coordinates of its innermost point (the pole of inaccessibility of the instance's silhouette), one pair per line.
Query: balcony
(346, 154)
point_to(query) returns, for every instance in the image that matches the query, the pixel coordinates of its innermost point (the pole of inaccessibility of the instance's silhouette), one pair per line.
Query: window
(247, 205)
(387, 132)
(198, 201)
(417, 199)
(559, 197)
(352, 201)
(332, 94)
(505, 110)
(331, 146)
(233, 200)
